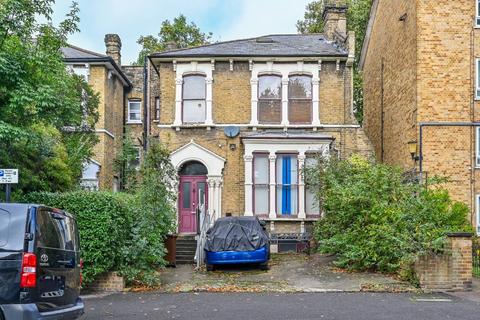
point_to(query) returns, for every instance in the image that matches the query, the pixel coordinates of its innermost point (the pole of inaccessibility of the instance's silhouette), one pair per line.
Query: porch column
(316, 101)
(285, 121)
(254, 109)
(178, 101)
(218, 184)
(211, 197)
(209, 118)
(301, 187)
(248, 159)
(272, 159)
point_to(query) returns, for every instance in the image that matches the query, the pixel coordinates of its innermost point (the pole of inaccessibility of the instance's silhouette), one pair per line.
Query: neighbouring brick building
(241, 118)
(420, 64)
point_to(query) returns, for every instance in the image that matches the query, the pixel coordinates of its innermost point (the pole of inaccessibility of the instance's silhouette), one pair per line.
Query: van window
(4, 227)
(56, 231)
(12, 227)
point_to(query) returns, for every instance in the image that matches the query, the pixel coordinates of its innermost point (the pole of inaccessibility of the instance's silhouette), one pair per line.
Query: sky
(130, 19)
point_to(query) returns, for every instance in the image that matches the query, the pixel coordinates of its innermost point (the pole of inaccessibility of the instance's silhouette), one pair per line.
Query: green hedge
(105, 221)
(377, 220)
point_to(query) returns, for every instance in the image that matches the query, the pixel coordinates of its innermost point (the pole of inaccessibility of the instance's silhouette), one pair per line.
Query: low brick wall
(108, 282)
(450, 271)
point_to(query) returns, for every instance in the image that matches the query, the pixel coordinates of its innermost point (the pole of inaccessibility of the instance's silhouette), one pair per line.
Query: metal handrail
(205, 221)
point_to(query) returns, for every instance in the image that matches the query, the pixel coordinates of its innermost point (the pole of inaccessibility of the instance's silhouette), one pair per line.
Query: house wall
(110, 125)
(428, 76)
(135, 75)
(231, 104)
(392, 87)
(445, 91)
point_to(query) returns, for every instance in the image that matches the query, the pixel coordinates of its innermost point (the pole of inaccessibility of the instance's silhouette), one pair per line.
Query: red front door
(192, 196)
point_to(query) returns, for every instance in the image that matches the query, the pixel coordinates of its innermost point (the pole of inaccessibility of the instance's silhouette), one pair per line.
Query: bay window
(300, 99)
(260, 184)
(287, 184)
(194, 99)
(270, 99)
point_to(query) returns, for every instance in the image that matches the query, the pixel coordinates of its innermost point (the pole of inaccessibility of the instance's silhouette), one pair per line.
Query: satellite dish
(231, 131)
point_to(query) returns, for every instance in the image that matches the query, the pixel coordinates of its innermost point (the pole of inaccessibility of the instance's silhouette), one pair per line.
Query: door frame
(195, 180)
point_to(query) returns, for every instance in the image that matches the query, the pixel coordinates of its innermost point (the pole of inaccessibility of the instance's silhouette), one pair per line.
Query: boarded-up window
(270, 99)
(300, 99)
(194, 95)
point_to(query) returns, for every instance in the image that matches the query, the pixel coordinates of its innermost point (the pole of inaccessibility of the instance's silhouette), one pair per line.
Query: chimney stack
(114, 46)
(335, 18)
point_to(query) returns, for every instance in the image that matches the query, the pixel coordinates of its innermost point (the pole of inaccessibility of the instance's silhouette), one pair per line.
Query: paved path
(271, 306)
(288, 273)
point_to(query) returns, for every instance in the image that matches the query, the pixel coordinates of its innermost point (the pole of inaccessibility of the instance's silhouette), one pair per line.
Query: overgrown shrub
(104, 220)
(375, 219)
(155, 203)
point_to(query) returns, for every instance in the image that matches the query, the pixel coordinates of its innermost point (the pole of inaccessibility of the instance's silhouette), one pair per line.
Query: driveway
(268, 306)
(288, 273)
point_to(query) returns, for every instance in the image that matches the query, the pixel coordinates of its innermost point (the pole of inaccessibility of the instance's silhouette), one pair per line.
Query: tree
(39, 99)
(357, 20)
(179, 33)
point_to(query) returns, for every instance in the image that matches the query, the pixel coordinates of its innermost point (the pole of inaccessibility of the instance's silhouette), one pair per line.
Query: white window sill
(134, 122)
(295, 219)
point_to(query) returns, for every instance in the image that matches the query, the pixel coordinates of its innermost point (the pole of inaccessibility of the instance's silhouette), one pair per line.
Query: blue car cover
(236, 234)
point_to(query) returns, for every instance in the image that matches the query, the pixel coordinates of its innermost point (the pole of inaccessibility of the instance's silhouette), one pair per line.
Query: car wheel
(210, 267)
(264, 266)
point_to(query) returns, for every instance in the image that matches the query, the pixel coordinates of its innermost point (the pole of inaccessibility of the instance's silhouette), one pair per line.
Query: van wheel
(210, 267)
(264, 266)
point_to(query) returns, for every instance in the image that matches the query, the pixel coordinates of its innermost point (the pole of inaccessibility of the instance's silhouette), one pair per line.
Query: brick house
(241, 119)
(421, 66)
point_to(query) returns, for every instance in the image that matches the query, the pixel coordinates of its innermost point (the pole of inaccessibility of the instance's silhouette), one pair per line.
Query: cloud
(226, 19)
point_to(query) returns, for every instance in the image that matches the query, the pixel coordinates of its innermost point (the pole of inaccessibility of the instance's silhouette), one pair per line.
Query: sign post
(8, 177)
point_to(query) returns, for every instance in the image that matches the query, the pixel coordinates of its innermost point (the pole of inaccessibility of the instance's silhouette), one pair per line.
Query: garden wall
(450, 271)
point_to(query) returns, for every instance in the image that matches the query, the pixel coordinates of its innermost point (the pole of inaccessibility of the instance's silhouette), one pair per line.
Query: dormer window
(300, 99)
(270, 99)
(194, 99)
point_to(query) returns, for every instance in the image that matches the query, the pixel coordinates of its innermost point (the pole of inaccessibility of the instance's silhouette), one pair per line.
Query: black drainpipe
(145, 104)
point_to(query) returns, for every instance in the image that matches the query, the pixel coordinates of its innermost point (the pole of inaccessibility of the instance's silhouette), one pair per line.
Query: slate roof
(73, 52)
(280, 45)
(286, 135)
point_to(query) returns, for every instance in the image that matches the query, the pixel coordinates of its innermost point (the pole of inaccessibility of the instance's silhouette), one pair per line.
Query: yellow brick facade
(420, 69)
(110, 125)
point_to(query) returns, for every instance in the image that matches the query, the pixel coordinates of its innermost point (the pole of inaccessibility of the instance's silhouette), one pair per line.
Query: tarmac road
(268, 306)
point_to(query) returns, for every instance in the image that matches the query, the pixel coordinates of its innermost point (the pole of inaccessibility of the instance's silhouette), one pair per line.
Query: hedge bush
(105, 221)
(375, 219)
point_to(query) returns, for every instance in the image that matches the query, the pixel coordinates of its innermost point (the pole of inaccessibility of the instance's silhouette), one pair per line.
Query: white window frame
(477, 147)
(134, 121)
(477, 82)
(138, 157)
(477, 14)
(286, 70)
(157, 109)
(477, 212)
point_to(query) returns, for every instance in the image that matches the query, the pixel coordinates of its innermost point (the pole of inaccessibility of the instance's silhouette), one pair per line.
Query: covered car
(237, 240)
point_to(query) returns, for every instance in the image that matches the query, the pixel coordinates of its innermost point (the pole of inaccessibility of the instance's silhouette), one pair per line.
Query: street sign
(8, 176)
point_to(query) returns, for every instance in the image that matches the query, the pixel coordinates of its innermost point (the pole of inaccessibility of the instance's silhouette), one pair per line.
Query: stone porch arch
(192, 151)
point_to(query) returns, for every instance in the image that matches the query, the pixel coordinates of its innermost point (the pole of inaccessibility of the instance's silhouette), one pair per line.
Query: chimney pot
(113, 46)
